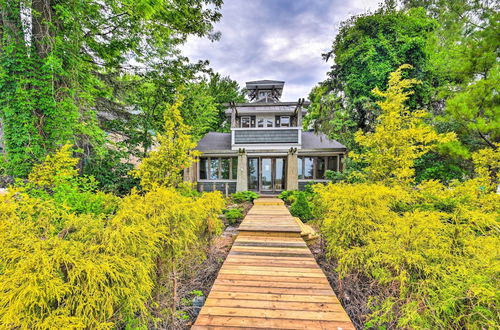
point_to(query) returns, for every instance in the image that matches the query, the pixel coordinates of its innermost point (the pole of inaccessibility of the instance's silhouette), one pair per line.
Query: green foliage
(366, 49)
(199, 110)
(233, 215)
(244, 196)
(111, 171)
(400, 136)
(66, 67)
(66, 263)
(163, 166)
(288, 196)
(433, 251)
(224, 90)
(301, 208)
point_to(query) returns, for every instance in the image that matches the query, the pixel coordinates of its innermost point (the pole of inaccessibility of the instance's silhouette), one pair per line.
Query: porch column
(242, 176)
(190, 173)
(292, 181)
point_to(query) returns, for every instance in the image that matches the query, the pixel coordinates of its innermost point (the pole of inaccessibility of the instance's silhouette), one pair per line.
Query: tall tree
(367, 48)
(59, 61)
(224, 90)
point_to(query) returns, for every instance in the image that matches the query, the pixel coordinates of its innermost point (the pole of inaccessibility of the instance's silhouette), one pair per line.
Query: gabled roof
(214, 141)
(312, 140)
(265, 82)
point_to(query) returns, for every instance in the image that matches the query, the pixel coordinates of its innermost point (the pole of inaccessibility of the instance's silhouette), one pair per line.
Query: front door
(272, 178)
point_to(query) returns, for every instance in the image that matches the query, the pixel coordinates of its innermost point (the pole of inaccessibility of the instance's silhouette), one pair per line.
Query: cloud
(276, 39)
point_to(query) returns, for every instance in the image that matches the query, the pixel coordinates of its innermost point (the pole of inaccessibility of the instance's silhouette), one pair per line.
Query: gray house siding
(266, 136)
(217, 185)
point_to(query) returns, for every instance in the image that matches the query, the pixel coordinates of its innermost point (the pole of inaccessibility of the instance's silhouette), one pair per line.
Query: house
(267, 150)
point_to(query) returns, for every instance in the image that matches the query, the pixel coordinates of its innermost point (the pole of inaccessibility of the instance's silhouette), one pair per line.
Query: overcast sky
(276, 39)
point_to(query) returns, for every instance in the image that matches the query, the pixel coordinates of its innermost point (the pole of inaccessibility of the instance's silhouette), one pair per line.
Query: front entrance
(266, 174)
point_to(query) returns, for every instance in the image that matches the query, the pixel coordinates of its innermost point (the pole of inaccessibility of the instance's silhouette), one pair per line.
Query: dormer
(264, 91)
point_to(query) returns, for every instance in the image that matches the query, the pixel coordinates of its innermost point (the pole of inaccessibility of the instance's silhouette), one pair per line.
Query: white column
(292, 181)
(242, 177)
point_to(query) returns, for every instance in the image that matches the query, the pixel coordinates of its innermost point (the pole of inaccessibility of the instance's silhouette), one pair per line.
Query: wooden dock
(270, 279)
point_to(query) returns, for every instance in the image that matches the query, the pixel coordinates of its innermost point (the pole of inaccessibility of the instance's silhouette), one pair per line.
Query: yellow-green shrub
(435, 248)
(71, 257)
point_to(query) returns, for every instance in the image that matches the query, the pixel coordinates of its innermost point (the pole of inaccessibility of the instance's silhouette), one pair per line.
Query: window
(225, 168)
(320, 167)
(308, 168)
(332, 163)
(285, 121)
(234, 168)
(314, 168)
(218, 168)
(264, 122)
(245, 122)
(203, 168)
(253, 173)
(299, 167)
(214, 168)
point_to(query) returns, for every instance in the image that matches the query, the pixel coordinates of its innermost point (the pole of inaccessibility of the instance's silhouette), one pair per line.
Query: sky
(277, 40)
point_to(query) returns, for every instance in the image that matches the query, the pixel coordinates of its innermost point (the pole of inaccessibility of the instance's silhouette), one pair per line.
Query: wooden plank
(275, 305)
(276, 313)
(272, 297)
(299, 284)
(253, 289)
(270, 280)
(250, 277)
(262, 323)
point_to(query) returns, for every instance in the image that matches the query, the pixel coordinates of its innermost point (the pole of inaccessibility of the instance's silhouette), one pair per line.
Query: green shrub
(233, 215)
(301, 208)
(72, 257)
(244, 196)
(431, 250)
(288, 196)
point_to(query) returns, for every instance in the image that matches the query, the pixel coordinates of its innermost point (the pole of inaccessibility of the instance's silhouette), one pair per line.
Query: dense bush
(434, 248)
(244, 196)
(300, 207)
(288, 196)
(233, 215)
(64, 264)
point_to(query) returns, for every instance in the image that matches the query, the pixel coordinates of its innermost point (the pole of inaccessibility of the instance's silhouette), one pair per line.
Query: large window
(218, 168)
(246, 122)
(264, 122)
(285, 121)
(314, 168)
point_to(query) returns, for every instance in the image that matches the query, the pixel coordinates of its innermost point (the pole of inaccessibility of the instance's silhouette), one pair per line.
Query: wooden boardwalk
(270, 279)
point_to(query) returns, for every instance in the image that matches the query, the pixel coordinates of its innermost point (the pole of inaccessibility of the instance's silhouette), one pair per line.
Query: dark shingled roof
(264, 82)
(311, 140)
(215, 141)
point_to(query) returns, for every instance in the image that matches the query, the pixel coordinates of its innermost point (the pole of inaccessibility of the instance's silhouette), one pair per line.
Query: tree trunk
(43, 29)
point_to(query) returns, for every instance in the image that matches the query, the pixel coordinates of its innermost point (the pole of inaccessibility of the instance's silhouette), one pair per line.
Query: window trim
(219, 169)
(317, 177)
(289, 121)
(249, 121)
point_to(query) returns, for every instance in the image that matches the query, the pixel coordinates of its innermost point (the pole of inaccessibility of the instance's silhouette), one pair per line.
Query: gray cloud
(276, 39)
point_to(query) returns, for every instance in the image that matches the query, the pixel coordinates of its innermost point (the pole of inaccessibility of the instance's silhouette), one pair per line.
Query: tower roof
(267, 91)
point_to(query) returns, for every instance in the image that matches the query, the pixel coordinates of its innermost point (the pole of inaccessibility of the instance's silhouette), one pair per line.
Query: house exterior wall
(226, 187)
(266, 136)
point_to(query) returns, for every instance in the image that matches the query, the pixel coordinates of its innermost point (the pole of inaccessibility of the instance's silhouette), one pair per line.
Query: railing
(270, 135)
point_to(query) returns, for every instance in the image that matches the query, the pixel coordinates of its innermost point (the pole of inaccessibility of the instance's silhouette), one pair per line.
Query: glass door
(266, 183)
(272, 174)
(279, 174)
(253, 174)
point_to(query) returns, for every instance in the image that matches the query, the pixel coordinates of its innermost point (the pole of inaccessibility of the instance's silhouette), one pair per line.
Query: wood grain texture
(270, 279)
